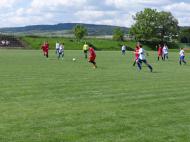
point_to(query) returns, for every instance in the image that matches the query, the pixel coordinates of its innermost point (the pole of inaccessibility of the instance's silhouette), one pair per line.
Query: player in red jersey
(43, 48)
(46, 49)
(136, 52)
(92, 56)
(159, 48)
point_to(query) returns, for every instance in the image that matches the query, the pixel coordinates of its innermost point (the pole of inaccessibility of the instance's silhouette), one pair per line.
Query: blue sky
(15, 13)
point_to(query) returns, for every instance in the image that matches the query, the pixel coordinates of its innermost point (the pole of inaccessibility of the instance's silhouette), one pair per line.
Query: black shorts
(142, 61)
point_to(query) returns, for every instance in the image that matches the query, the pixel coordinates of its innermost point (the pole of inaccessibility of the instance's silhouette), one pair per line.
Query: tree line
(150, 25)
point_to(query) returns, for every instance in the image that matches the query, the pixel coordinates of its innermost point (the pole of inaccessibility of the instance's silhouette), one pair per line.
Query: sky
(18, 13)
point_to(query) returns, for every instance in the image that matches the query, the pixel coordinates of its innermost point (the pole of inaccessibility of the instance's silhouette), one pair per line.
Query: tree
(118, 34)
(167, 25)
(80, 31)
(151, 24)
(184, 35)
(145, 26)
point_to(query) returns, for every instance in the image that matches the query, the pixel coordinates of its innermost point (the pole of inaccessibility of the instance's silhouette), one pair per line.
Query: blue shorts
(182, 57)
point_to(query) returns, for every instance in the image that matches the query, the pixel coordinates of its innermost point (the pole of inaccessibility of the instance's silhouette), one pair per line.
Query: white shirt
(142, 54)
(165, 50)
(61, 48)
(123, 47)
(3, 42)
(7, 42)
(57, 45)
(182, 53)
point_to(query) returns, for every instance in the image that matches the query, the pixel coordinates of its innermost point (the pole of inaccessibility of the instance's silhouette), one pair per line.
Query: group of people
(162, 52)
(59, 50)
(140, 53)
(140, 57)
(5, 42)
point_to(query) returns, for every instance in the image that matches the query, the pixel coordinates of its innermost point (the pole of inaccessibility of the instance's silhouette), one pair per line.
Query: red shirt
(43, 47)
(159, 50)
(136, 52)
(46, 47)
(92, 54)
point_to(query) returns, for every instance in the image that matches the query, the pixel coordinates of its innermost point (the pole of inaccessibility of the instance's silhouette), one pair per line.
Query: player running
(85, 49)
(136, 52)
(61, 51)
(182, 56)
(57, 44)
(92, 56)
(43, 48)
(142, 59)
(46, 49)
(159, 48)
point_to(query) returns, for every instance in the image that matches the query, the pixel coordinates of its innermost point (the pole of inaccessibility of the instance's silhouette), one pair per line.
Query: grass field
(73, 44)
(46, 100)
(35, 42)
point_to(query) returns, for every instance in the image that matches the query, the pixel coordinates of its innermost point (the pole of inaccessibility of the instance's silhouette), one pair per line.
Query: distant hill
(184, 27)
(62, 29)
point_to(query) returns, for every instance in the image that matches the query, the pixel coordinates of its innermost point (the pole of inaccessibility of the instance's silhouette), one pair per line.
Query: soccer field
(50, 100)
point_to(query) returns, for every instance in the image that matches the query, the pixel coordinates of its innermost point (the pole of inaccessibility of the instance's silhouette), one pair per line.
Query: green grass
(184, 45)
(46, 100)
(73, 44)
(35, 42)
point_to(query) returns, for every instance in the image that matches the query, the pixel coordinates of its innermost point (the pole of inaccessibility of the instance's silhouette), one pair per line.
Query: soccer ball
(74, 59)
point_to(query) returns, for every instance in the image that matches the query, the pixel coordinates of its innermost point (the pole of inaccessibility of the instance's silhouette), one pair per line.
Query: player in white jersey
(61, 51)
(165, 52)
(57, 48)
(142, 59)
(182, 56)
(123, 50)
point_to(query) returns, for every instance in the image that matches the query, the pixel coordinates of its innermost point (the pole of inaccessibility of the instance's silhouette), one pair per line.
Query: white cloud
(178, 7)
(129, 4)
(93, 14)
(154, 2)
(111, 12)
(57, 3)
(4, 3)
(181, 11)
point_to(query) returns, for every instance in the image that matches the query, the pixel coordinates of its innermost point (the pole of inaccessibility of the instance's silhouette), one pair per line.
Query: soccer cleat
(151, 70)
(94, 66)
